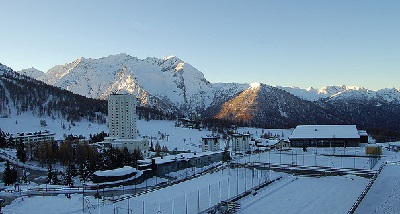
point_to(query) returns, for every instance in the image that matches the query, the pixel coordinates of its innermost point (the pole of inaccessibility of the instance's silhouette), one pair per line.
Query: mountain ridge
(172, 63)
(173, 85)
(170, 80)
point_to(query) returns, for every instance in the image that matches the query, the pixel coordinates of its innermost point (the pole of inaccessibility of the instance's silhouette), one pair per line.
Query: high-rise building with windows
(122, 116)
(122, 125)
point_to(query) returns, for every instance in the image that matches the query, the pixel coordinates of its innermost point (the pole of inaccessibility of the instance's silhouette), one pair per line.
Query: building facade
(210, 144)
(122, 116)
(240, 142)
(34, 137)
(122, 125)
(173, 163)
(325, 136)
(130, 144)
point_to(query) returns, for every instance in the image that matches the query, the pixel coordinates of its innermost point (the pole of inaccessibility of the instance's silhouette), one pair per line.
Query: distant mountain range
(171, 85)
(344, 92)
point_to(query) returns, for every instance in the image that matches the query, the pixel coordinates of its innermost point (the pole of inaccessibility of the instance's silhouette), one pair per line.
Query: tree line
(78, 159)
(27, 94)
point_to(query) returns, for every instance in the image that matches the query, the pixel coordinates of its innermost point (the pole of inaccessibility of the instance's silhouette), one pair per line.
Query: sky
(287, 43)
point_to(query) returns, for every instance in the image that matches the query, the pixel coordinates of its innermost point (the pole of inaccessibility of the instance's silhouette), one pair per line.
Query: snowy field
(178, 137)
(291, 194)
(334, 194)
(26, 122)
(384, 196)
(193, 195)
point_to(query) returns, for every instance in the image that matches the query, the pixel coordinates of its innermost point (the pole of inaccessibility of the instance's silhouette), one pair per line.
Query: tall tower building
(122, 116)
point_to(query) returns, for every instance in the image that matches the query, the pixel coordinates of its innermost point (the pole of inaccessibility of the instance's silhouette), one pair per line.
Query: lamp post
(269, 165)
(237, 178)
(83, 196)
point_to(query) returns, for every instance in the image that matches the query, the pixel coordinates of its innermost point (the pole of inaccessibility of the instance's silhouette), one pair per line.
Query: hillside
(270, 107)
(20, 94)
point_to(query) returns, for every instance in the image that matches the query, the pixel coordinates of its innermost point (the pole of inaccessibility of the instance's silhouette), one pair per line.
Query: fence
(240, 181)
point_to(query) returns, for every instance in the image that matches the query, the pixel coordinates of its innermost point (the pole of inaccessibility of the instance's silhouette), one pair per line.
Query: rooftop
(325, 132)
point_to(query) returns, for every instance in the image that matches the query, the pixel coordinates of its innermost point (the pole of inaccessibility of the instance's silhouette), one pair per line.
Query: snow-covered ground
(334, 194)
(178, 137)
(291, 194)
(384, 196)
(27, 122)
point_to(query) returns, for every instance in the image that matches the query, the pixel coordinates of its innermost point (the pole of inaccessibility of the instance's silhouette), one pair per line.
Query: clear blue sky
(289, 43)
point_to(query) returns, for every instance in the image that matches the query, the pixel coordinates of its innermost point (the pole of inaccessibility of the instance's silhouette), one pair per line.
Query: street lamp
(83, 196)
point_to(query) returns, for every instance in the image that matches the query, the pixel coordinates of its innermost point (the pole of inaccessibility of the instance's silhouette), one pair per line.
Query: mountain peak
(169, 57)
(31, 72)
(255, 85)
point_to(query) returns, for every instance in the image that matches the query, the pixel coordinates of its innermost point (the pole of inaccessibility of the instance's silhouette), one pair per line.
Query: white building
(122, 116)
(34, 137)
(210, 144)
(130, 144)
(325, 136)
(240, 142)
(122, 124)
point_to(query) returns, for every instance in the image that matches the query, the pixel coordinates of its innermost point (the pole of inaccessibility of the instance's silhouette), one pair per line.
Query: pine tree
(43, 123)
(151, 146)
(137, 155)
(24, 177)
(68, 175)
(127, 157)
(2, 142)
(84, 171)
(54, 179)
(10, 174)
(21, 153)
(164, 149)
(49, 174)
(157, 149)
(66, 153)
(226, 157)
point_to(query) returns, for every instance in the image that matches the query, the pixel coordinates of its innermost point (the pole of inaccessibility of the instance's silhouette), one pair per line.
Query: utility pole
(83, 197)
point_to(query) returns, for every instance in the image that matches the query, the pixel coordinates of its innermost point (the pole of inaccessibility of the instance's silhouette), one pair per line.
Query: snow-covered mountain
(31, 72)
(389, 94)
(174, 87)
(263, 105)
(344, 93)
(169, 80)
(4, 69)
(313, 94)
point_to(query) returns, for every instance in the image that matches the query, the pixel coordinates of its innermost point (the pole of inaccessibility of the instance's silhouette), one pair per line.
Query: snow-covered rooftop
(116, 172)
(181, 156)
(324, 132)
